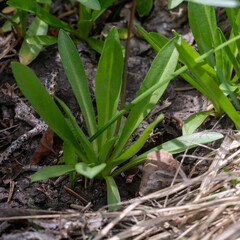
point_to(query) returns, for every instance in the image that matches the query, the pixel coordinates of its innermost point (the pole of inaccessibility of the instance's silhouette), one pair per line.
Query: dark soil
(50, 195)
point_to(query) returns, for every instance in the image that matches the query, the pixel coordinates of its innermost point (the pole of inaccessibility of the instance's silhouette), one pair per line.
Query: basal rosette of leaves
(102, 153)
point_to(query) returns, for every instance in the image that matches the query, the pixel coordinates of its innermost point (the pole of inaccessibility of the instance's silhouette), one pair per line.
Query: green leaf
(44, 1)
(144, 7)
(73, 66)
(104, 5)
(233, 14)
(70, 159)
(69, 153)
(42, 40)
(33, 7)
(113, 196)
(93, 4)
(104, 151)
(174, 146)
(151, 89)
(174, 3)
(163, 65)
(156, 40)
(134, 148)
(28, 52)
(194, 121)
(137, 145)
(212, 89)
(85, 27)
(219, 3)
(203, 23)
(52, 171)
(108, 83)
(37, 95)
(95, 44)
(77, 131)
(87, 171)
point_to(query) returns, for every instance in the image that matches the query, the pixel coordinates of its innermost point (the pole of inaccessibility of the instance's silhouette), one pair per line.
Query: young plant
(215, 76)
(36, 36)
(100, 153)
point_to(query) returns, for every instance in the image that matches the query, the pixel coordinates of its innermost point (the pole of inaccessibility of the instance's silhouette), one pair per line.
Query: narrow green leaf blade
(52, 171)
(113, 196)
(73, 66)
(88, 147)
(213, 92)
(69, 153)
(108, 82)
(87, 171)
(203, 23)
(41, 40)
(144, 7)
(174, 3)
(194, 121)
(28, 52)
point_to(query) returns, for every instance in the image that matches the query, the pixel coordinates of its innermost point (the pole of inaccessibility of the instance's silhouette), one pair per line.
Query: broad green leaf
(38, 96)
(77, 131)
(33, 7)
(73, 66)
(194, 121)
(175, 146)
(151, 89)
(213, 92)
(174, 3)
(108, 83)
(203, 23)
(104, 5)
(113, 196)
(93, 4)
(28, 52)
(219, 3)
(134, 148)
(52, 171)
(144, 7)
(163, 65)
(41, 40)
(87, 171)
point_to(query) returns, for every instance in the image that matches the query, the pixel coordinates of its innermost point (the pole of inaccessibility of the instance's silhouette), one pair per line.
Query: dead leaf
(158, 172)
(45, 147)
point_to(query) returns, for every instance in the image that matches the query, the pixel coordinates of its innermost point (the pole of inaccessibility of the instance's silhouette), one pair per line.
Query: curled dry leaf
(45, 147)
(158, 172)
